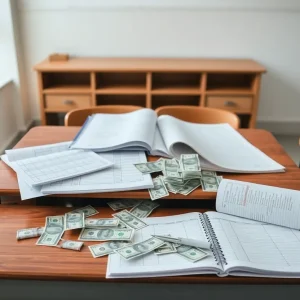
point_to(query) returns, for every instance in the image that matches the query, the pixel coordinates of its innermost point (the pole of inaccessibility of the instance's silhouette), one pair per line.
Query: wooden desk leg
(7, 200)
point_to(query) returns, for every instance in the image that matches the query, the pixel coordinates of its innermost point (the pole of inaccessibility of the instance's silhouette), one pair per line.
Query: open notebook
(221, 148)
(240, 247)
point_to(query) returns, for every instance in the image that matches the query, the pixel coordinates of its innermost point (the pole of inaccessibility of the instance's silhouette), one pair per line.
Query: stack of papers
(54, 168)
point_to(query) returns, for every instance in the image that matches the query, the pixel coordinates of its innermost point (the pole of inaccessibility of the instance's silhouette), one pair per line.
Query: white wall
(265, 30)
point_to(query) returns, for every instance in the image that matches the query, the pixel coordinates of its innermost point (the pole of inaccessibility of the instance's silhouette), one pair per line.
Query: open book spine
(212, 238)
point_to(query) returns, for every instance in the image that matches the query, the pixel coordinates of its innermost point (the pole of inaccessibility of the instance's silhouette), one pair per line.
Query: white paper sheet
(58, 166)
(107, 132)
(255, 248)
(151, 265)
(220, 146)
(122, 176)
(259, 202)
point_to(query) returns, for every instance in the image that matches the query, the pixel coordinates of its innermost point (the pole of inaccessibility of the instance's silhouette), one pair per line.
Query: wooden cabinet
(231, 84)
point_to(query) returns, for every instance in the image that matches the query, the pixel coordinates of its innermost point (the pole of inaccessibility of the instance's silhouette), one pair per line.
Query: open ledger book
(221, 148)
(240, 246)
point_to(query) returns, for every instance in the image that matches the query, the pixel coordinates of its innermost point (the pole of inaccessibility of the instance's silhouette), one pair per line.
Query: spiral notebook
(239, 246)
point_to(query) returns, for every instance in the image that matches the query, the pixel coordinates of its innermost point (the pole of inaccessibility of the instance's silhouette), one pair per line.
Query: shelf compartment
(65, 81)
(121, 83)
(230, 83)
(138, 100)
(65, 89)
(178, 80)
(176, 91)
(158, 101)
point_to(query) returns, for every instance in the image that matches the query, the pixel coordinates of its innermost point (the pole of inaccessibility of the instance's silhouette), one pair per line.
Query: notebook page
(256, 247)
(107, 132)
(28, 152)
(219, 144)
(151, 265)
(259, 202)
(62, 165)
(159, 147)
(123, 175)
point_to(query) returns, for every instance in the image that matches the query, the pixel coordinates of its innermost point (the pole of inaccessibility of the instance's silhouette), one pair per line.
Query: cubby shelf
(230, 84)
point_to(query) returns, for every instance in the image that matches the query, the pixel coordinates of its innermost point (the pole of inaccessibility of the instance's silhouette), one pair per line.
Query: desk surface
(24, 260)
(262, 139)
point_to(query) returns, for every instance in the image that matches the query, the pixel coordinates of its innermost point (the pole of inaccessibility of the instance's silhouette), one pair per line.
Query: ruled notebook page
(256, 249)
(259, 202)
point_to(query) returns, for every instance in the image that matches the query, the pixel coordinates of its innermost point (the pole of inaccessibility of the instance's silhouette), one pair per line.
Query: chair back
(77, 117)
(202, 115)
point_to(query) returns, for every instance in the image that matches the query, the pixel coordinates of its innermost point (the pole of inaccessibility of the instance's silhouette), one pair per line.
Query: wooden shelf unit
(230, 84)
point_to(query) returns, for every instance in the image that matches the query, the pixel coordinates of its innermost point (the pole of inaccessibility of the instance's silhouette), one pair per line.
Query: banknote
(190, 163)
(149, 167)
(190, 186)
(70, 245)
(144, 208)
(54, 230)
(74, 220)
(209, 181)
(122, 204)
(159, 190)
(173, 188)
(28, 233)
(171, 170)
(130, 220)
(165, 249)
(191, 253)
(88, 211)
(208, 173)
(106, 234)
(106, 248)
(96, 223)
(139, 249)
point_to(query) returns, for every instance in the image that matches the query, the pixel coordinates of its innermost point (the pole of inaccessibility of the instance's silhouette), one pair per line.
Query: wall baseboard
(280, 127)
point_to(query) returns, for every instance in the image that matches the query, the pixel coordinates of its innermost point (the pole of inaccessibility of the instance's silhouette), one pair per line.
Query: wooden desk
(24, 260)
(262, 139)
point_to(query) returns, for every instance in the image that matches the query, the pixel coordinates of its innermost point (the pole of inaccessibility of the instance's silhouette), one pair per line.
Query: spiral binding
(212, 238)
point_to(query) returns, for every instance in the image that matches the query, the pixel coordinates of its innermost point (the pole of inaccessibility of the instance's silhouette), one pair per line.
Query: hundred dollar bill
(171, 171)
(190, 166)
(190, 186)
(130, 220)
(139, 249)
(166, 249)
(144, 208)
(106, 234)
(209, 181)
(98, 223)
(122, 204)
(87, 210)
(28, 233)
(70, 245)
(74, 220)
(191, 253)
(159, 190)
(54, 230)
(149, 167)
(106, 248)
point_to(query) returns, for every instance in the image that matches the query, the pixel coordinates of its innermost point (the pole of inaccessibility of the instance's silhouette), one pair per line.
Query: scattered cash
(190, 186)
(87, 210)
(139, 249)
(70, 245)
(209, 181)
(166, 249)
(159, 190)
(74, 220)
(149, 167)
(29, 233)
(191, 253)
(54, 230)
(171, 171)
(122, 204)
(190, 166)
(172, 188)
(144, 208)
(106, 248)
(98, 223)
(106, 234)
(130, 220)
